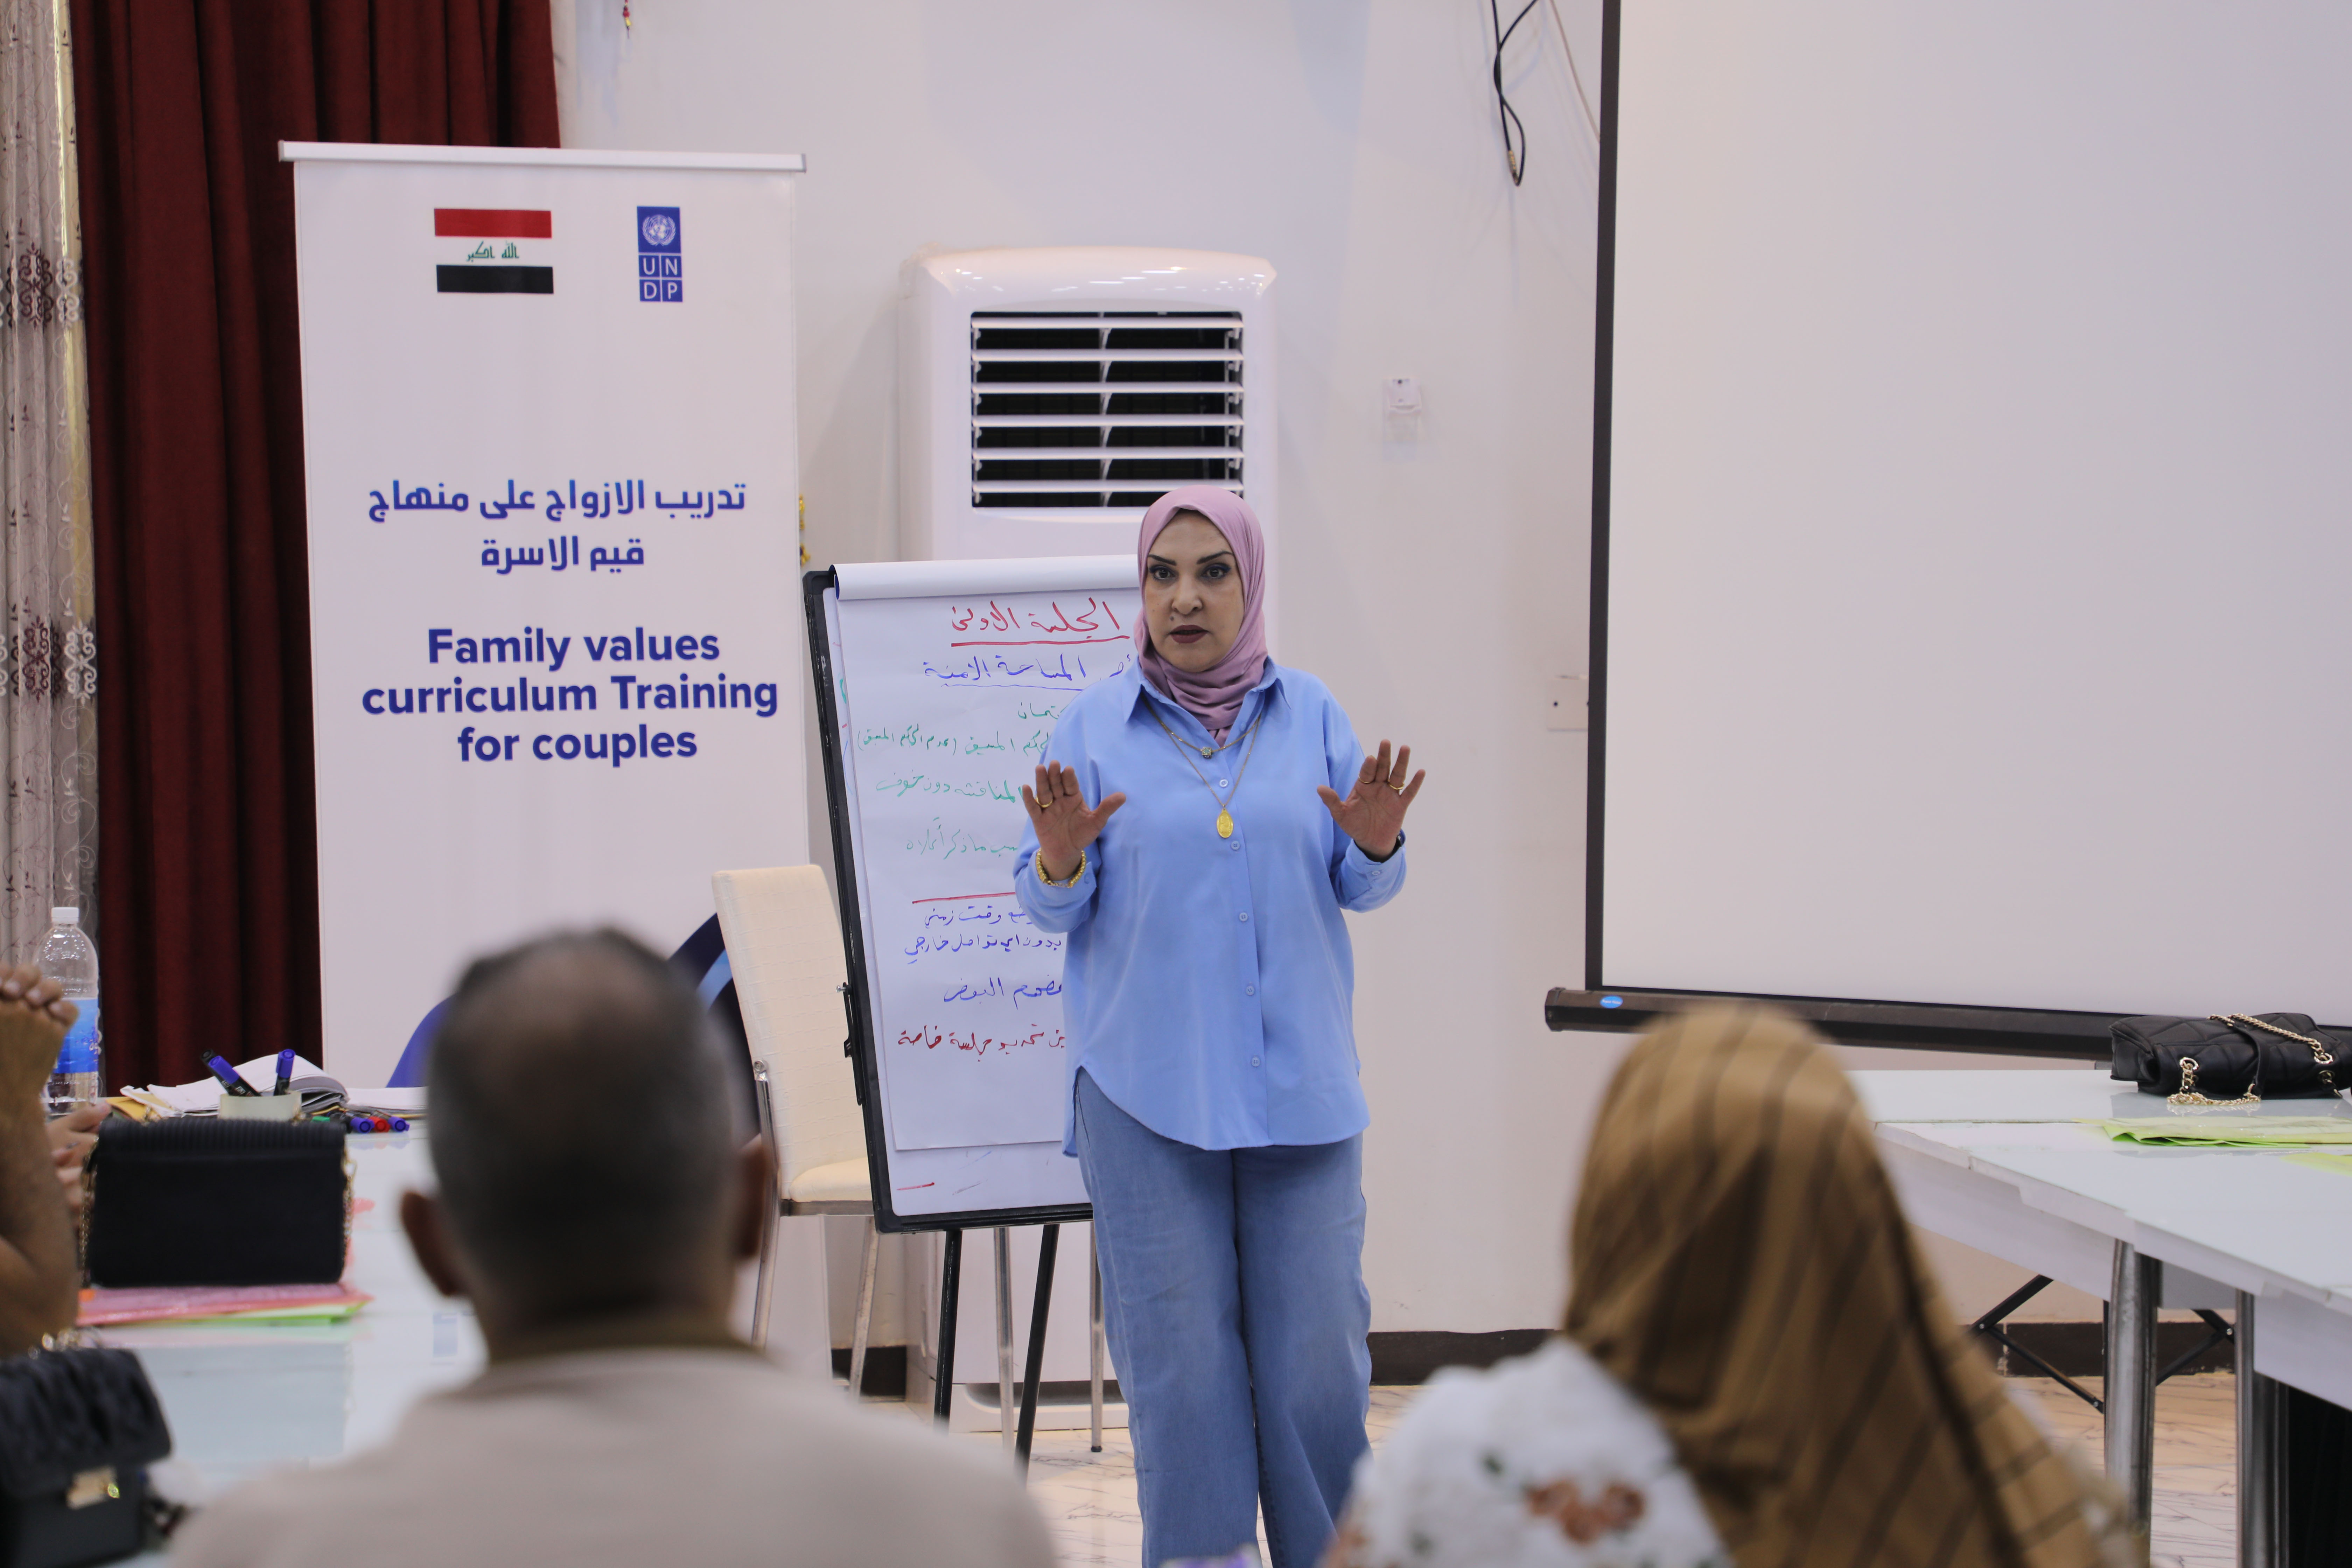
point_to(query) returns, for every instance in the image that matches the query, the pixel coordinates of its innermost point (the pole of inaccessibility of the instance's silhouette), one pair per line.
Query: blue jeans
(1233, 1299)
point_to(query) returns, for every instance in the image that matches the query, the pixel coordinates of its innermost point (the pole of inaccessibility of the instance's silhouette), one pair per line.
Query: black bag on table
(78, 1430)
(2229, 1057)
(195, 1200)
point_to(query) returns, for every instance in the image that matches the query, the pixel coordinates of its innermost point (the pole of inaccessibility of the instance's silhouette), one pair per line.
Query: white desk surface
(244, 1399)
(2246, 1219)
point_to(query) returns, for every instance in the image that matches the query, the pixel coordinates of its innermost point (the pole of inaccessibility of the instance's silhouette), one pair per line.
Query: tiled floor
(1089, 1499)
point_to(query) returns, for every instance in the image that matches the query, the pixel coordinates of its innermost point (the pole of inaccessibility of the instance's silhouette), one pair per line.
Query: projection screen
(1973, 523)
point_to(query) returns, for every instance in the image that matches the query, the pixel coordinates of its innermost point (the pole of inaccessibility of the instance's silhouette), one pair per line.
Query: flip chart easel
(938, 686)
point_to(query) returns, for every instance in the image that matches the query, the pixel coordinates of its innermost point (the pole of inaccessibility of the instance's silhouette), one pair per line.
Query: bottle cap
(66, 915)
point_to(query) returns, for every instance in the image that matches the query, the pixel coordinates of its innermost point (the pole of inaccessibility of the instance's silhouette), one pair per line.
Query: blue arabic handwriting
(1064, 671)
(995, 987)
(979, 915)
(964, 942)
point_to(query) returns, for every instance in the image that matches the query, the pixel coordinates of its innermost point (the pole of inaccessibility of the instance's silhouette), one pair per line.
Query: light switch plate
(1567, 706)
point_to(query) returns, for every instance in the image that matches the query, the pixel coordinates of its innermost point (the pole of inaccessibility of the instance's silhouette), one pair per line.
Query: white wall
(1435, 584)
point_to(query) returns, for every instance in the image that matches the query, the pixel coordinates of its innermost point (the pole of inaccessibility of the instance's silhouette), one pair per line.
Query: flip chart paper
(949, 703)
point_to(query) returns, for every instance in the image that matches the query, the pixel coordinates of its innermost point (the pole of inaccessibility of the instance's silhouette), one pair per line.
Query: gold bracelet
(1073, 876)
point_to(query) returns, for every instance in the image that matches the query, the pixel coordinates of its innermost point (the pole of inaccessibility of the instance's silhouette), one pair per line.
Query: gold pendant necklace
(1224, 806)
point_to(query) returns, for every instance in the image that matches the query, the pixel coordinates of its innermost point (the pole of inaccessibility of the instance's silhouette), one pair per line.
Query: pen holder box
(261, 1108)
(202, 1201)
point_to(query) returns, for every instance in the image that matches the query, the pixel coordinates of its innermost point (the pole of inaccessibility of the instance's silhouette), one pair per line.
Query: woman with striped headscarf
(1758, 1370)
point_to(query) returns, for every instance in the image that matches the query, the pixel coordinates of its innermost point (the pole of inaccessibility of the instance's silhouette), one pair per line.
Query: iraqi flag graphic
(486, 250)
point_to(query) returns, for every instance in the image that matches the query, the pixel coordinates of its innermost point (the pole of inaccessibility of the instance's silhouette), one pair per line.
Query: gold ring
(1399, 788)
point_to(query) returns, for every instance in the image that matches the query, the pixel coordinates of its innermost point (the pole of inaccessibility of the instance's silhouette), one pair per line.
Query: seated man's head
(583, 1134)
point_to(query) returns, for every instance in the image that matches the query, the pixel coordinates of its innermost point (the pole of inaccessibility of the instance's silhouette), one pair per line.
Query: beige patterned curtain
(48, 827)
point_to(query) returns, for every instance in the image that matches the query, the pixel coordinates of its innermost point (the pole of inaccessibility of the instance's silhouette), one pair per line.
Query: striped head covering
(1741, 1264)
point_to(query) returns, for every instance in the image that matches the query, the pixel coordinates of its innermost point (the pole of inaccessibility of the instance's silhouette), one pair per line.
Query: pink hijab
(1215, 695)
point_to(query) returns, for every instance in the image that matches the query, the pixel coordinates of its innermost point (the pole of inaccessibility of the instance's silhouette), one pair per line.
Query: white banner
(557, 658)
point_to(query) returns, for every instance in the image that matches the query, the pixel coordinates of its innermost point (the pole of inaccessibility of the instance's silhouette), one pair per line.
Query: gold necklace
(1224, 806)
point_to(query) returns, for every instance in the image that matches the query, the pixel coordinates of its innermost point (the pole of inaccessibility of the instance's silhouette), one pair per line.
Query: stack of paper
(221, 1303)
(319, 1092)
(2230, 1132)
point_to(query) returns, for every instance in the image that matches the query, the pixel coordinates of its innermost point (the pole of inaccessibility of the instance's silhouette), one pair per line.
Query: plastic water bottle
(69, 957)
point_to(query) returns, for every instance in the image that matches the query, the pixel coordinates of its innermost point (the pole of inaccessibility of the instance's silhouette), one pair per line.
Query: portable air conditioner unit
(1047, 396)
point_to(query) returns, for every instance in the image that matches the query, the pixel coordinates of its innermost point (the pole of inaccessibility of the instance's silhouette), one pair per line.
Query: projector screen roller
(1974, 510)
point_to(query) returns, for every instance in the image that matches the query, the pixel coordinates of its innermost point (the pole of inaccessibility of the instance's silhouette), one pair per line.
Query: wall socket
(1567, 704)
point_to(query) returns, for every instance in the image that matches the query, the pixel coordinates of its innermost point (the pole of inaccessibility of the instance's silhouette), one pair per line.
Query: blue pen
(230, 1081)
(285, 1069)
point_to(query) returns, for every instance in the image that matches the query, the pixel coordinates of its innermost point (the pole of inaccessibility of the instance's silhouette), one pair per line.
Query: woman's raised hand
(1373, 813)
(1064, 827)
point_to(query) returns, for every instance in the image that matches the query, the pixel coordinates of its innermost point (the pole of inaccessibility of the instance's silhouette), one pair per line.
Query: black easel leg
(950, 1282)
(1048, 1239)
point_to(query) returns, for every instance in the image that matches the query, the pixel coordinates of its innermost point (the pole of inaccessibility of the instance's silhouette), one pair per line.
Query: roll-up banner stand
(556, 652)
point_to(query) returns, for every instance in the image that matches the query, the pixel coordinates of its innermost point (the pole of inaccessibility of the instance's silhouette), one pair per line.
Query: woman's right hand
(1064, 825)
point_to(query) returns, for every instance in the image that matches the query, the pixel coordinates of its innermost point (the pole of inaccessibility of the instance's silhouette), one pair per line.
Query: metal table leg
(2261, 1539)
(2131, 1391)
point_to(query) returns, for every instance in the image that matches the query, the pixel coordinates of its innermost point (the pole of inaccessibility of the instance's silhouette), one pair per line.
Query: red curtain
(208, 908)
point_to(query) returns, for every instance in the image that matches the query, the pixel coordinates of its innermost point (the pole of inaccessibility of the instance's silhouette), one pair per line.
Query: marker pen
(230, 1082)
(285, 1070)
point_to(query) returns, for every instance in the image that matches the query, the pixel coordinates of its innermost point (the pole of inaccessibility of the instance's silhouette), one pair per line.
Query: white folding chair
(783, 945)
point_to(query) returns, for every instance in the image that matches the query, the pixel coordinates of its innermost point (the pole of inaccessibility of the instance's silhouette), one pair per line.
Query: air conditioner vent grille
(1176, 415)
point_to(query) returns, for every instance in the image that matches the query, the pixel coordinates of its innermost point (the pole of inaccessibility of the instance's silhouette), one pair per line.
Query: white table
(1997, 1160)
(244, 1399)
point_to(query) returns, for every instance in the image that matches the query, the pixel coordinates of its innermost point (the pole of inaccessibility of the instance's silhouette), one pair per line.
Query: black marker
(230, 1082)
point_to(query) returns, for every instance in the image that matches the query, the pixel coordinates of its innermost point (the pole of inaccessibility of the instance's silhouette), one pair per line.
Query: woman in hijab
(1758, 1370)
(1207, 987)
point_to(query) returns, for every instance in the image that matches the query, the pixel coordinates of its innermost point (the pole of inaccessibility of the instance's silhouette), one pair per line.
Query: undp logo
(661, 266)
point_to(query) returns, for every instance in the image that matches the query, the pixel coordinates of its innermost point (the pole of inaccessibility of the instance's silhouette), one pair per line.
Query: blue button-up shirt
(1208, 986)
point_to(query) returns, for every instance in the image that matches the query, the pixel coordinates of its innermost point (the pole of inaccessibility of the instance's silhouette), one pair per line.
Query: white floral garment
(1540, 1462)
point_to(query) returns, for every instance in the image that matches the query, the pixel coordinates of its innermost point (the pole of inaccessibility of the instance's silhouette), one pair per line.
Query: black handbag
(78, 1430)
(195, 1200)
(2228, 1058)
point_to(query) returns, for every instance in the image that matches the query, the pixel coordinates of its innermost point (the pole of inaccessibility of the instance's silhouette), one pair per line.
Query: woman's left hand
(1373, 813)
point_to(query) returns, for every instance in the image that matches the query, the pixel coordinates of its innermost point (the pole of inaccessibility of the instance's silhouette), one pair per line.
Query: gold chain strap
(2188, 1095)
(2320, 1057)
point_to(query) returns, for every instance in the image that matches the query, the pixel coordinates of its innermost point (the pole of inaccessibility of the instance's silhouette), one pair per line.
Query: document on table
(2229, 1131)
